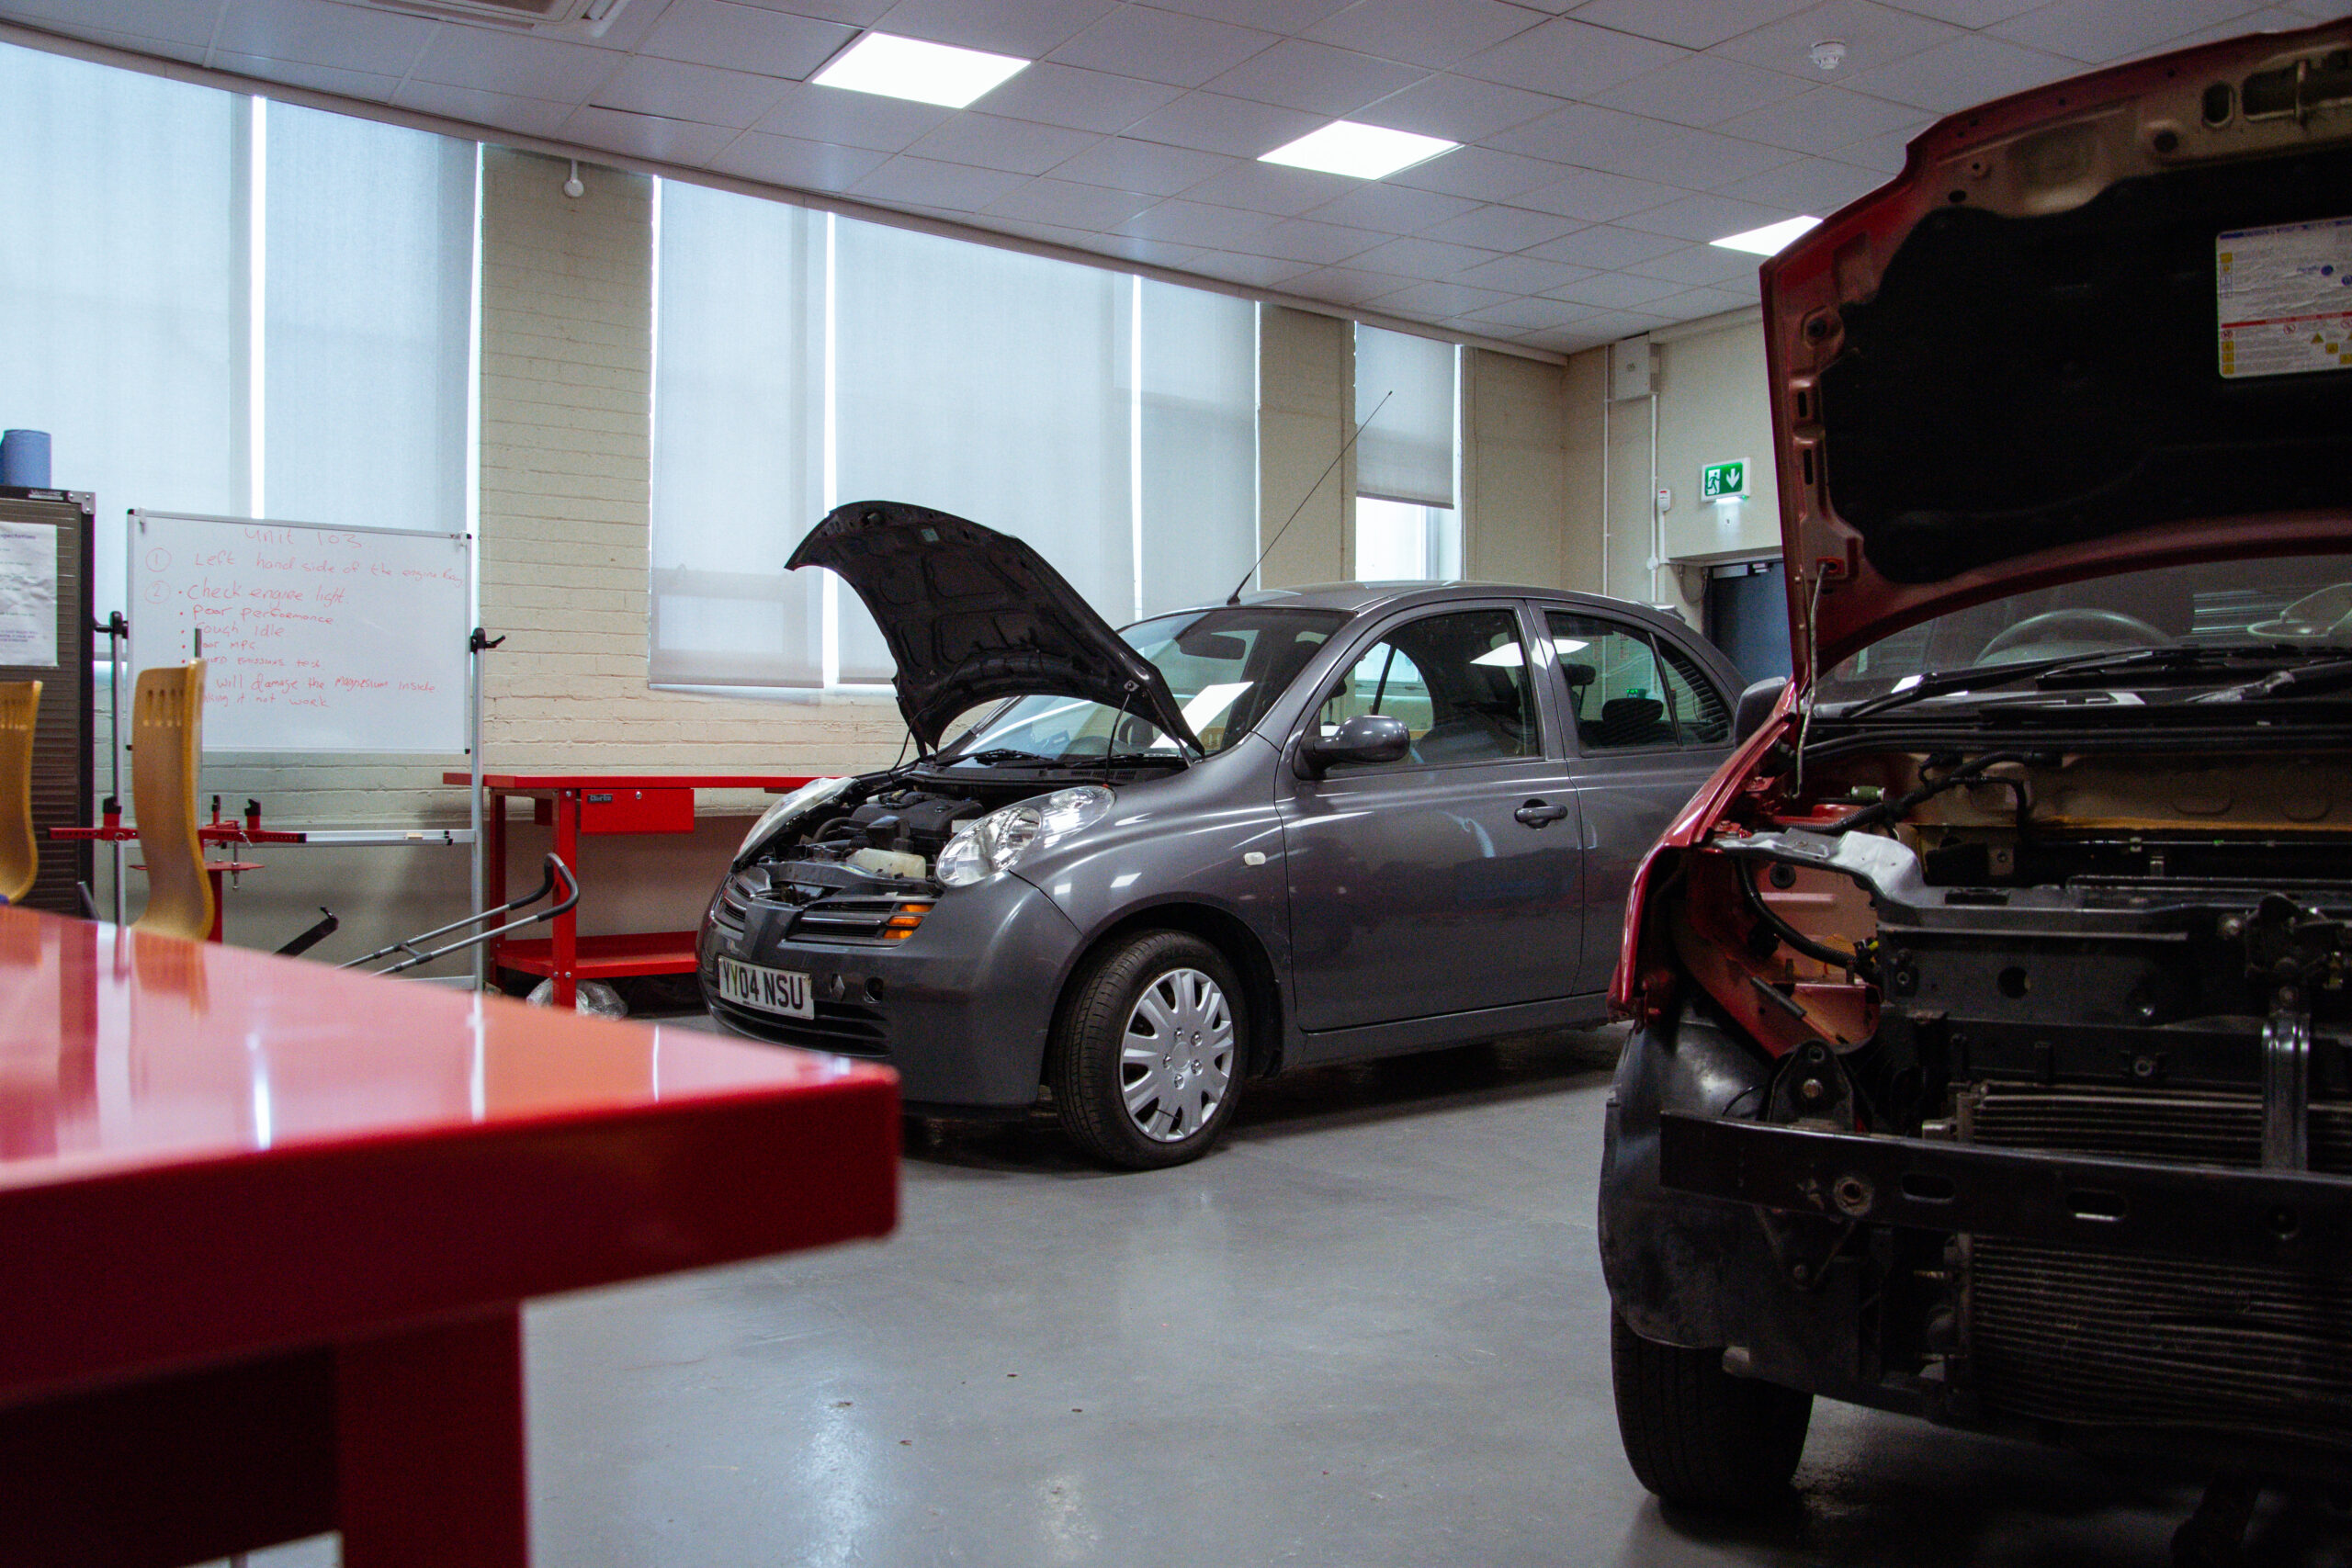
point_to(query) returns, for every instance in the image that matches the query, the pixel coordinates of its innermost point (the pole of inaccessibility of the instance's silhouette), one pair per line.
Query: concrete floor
(1368, 1330)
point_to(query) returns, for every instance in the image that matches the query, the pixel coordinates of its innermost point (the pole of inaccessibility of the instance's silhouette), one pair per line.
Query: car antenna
(1235, 597)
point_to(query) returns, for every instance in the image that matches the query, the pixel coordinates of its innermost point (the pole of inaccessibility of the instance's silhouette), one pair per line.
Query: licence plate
(770, 990)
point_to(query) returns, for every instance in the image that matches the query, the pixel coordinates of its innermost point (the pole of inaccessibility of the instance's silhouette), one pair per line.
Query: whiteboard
(315, 638)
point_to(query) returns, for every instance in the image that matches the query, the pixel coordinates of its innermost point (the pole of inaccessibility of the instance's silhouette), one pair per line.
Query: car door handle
(1535, 814)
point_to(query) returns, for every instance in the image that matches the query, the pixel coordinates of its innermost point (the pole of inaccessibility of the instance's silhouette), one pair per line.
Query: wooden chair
(167, 734)
(19, 851)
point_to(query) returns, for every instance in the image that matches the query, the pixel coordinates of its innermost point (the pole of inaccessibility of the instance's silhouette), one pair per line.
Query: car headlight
(1000, 840)
(807, 797)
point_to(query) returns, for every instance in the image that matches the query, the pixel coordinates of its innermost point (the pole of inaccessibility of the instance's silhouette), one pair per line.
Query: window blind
(1406, 453)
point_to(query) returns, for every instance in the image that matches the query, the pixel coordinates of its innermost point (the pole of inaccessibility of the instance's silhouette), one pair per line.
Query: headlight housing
(807, 797)
(1000, 840)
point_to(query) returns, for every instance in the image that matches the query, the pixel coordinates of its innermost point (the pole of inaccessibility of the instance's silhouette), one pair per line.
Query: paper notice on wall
(2285, 299)
(27, 594)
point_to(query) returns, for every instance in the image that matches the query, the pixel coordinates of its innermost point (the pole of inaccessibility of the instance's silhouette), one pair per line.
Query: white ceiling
(1606, 140)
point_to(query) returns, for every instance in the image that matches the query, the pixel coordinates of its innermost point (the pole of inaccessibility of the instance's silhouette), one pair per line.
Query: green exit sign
(1718, 480)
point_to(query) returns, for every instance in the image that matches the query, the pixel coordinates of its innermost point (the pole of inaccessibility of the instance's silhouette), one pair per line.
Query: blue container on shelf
(24, 458)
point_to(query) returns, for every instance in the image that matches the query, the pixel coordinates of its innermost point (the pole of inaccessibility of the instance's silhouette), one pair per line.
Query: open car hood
(973, 615)
(2102, 325)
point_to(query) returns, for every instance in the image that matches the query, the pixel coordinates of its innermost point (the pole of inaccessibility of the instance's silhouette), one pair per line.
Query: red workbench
(265, 1229)
(593, 804)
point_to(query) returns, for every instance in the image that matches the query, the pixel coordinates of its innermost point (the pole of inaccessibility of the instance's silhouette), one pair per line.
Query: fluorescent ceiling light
(1366, 151)
(910, 68)
(1769, 239)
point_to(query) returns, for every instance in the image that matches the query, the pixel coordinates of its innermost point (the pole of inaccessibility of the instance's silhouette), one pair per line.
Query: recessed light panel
(1366, 151)
(1768, 240)
(911, 68)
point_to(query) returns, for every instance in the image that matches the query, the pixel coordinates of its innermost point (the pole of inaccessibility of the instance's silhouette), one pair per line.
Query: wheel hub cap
(1176, 1059)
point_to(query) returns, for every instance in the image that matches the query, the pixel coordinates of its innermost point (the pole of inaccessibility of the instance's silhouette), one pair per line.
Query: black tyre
(1698, 1437)
(1147, 1058)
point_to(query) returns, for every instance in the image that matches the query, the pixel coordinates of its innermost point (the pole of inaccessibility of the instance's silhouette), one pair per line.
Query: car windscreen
(2292, 604)
(1225, 666)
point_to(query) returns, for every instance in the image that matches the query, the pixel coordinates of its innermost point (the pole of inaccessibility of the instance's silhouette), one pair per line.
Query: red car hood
(2090, 328)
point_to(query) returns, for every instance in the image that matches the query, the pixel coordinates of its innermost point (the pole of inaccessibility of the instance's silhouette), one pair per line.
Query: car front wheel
(1696, 1435)
(1147, 1057)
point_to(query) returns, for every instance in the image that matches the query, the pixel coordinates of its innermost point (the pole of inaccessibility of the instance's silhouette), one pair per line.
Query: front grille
(2167, 1127)
(847, 1028)
(848, 920)
(2095, 1337)
(2103, 1338)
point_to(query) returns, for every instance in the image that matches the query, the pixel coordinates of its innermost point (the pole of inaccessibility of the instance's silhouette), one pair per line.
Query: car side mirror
(1367, 739)
(1756, 706)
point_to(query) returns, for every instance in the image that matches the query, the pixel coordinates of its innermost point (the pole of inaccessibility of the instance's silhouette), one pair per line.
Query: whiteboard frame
(135, 522)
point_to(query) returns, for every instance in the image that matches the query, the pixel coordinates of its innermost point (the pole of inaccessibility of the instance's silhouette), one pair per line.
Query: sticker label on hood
(2285, 299)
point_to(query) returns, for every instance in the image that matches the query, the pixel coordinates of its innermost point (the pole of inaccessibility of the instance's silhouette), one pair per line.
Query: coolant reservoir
(889, 862)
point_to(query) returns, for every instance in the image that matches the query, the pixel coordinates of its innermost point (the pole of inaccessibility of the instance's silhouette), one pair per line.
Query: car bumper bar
(2211, 1212)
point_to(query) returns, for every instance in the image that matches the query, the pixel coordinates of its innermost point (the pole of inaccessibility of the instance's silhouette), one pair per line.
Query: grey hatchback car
(1307, 826)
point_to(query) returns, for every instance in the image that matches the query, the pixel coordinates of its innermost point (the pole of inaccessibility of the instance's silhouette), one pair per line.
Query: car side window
(1459, 684)
(1701, 712)
(1614, 690)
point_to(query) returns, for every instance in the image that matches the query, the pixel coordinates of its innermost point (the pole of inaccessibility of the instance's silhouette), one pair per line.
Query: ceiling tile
(852, 120)
(1162, 46)
(1068, 203)
(1597, 198)
(646, 136)
(1706, 218)
(1873, 34)
(745, 38)
(1026, 28)
(1606, 246)
(192, 53)
(1316, 77)
(1431, 300)
(679, 91)
(1292, 16)
(1498, 227)
(1480, 174)
(177, 25)
(1427, 32)
(1697, 302)
(1264, 272)
(1569, 60)
(1701, 89)
(1696, 264)
(2270, 19)
(1524, 315)
(318, 78)
(2095, 31)
(1345, 285)
(1457, 108)
(1614, 290)
(528, 67)
(856, 12)
(1422, 258)
(1302, 238)
(1703, 161)
(1818, 185)
(1083, 100)
(1970, 13)
(1154, 253)
(923, 181)
(1607, 326)
(990, 141)
(1524, 275)
(1970, 69)
(790, 161)
(1678, 21)
(1194, 223)
(345, 37)
(1122, 164)
(1393, 208)
(1269, 187)
(1821, 120)
(528, 117)
(1580, 134)
(628, 30)
(1211, 122)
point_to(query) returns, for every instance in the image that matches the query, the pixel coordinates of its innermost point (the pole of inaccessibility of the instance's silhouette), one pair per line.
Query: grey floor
(1369, 1330)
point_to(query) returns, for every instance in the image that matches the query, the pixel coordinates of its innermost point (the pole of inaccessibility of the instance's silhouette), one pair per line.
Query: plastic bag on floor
(595, 998)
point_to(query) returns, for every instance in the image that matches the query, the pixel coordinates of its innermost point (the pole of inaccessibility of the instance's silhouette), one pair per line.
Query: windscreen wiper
(2302, 680)
(1991, 677)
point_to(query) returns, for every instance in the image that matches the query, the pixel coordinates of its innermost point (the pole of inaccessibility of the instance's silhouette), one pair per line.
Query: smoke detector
(1829, 53)
(558, 19)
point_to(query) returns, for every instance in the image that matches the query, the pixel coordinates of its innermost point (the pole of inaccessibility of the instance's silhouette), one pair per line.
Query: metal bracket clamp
(2287, 1083)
